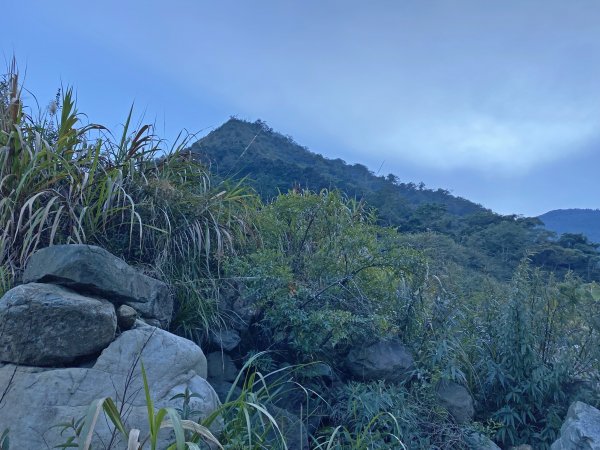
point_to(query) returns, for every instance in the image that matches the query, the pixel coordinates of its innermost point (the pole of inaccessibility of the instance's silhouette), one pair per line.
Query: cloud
(460, 86)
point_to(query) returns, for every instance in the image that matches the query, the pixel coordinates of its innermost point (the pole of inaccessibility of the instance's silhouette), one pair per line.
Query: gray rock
(221, 367)
(478, 441)
(126, 317)
(226, 340)
(580, 430)
(37, 399)
(91, 269)
(291, 428)
(45, 325)
(319, 370)
(456, 399)
(223, 388)
(384, 360)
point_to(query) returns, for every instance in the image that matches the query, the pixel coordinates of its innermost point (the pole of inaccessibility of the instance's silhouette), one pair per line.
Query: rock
(126, 317)
(479, 441)
(457, 400)
(384, 360)
(45, 325)
(580, 430)
(37, 399)
(89, 269)
(521, 447)
(226, 340)
(223, 388)
(245, 310)
(319, 370)
(221, 367)
(291, 427)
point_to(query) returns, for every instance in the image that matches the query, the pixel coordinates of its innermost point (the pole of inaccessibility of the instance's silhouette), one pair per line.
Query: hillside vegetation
(345, 261)
(487, 242)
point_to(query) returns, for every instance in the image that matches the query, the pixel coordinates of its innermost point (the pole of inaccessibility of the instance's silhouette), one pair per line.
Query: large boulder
(456, 399)
(46, 325)
(383, 360)
(580, 430)
(92, 270)
(37, 399)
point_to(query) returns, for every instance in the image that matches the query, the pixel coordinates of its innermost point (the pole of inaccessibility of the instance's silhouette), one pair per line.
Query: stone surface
(91, 269)
(580, 430)
(37, 399)
(291, 427)
(222, 388)
(45, 325)
(126, 317)
(221, 367)
(319, 370)
(478, 441)
(456, 399)
(226, 340)
(384, 360)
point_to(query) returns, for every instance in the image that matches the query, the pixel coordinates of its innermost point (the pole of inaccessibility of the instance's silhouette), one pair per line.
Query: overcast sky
(498, 102)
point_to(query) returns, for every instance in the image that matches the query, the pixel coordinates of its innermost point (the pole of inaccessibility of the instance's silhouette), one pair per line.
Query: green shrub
(544, 336)
(327, 277)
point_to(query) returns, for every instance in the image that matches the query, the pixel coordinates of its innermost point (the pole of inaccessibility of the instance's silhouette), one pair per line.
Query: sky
(497, 102)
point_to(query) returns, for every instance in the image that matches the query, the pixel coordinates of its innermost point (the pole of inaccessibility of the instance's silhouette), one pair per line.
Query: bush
(327, 277)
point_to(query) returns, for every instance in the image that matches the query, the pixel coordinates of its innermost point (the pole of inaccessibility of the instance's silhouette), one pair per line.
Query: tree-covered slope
(275, 163)
(490, 243)
(584, 221)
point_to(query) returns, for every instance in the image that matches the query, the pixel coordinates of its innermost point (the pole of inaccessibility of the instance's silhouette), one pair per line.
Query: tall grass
(63, 181)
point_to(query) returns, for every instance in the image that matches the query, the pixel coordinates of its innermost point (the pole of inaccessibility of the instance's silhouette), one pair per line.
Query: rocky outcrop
(580, 430)
(92, 270)
(384, 360)
(456, 399)
(46, 325)
(36, 399)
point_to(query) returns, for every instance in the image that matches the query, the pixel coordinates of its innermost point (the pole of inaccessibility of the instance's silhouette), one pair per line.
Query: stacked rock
(78, 330)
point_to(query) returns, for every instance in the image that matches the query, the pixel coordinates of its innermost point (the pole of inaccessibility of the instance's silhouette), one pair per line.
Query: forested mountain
(487, 242)
(275, 163)
(584, 221)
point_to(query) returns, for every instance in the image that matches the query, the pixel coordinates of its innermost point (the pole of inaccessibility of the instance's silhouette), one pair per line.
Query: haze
(498, 102)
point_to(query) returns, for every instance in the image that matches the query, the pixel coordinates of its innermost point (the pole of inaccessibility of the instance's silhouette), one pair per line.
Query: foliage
(326, 276)
(4, 441)
(272, 163)
(542, 338)
(380, 416)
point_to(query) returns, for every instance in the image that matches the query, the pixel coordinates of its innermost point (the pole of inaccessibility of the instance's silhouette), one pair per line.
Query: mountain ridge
(254, 150)
(584, 221)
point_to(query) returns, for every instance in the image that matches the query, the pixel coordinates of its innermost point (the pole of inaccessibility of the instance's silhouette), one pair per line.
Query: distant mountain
(584, 221)
(275, 163)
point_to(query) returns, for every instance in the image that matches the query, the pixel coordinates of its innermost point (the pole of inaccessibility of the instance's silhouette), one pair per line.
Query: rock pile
(70, 336)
